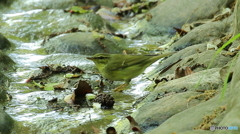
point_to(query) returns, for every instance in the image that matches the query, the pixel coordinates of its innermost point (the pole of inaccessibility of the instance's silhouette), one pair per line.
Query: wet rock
(54, 69)
(47, 25)
(4, 43)
(82, 43)
(6, 63)
(42, 4)
(97, 23)
(164, 18)
(69, 59)
(3, 80)
(4, 3)
(3, 86)
(46, 22)
(6, 122)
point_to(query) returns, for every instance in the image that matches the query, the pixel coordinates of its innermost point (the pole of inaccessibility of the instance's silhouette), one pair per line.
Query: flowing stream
(29, 104)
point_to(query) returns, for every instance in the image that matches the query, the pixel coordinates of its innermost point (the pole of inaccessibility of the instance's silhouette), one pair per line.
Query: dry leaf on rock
(182, 71)
(78, 96)
(134, 125)
(181, 32)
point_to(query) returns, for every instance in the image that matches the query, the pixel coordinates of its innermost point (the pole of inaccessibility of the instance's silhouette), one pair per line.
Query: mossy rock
(6, 123)
(4, 43)
(6, 63)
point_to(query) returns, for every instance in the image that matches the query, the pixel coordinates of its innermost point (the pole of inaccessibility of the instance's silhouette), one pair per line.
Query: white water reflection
(5, 16)
(141, 82)
(29, 46)
(26, 60)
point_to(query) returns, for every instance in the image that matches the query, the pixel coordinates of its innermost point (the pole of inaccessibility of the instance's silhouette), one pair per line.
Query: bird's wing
(124, 61)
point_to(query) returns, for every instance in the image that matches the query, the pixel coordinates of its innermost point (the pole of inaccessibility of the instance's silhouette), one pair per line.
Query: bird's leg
(122, 87)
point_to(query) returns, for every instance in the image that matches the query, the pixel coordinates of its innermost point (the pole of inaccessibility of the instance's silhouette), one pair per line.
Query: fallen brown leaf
(134, 125)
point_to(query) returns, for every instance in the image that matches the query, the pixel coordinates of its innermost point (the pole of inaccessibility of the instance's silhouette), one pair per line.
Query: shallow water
(29, 105)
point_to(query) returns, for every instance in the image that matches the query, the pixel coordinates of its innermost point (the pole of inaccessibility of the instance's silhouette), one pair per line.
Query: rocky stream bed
(46, 82)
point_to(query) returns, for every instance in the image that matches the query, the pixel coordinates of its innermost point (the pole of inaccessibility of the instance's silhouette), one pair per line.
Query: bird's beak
(90, 58)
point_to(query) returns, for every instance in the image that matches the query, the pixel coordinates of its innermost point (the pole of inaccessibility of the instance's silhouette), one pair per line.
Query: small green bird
(120, 67)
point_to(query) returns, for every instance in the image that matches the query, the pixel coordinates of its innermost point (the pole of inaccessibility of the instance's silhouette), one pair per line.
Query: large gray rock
(233, 105)
(175, 13)
(191, 118)
(201, 34)
(170, 99)
(83, 43)
(163, 109)
(195, 57)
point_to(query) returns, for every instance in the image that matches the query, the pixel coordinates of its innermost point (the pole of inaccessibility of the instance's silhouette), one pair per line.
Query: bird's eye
(101, 57)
